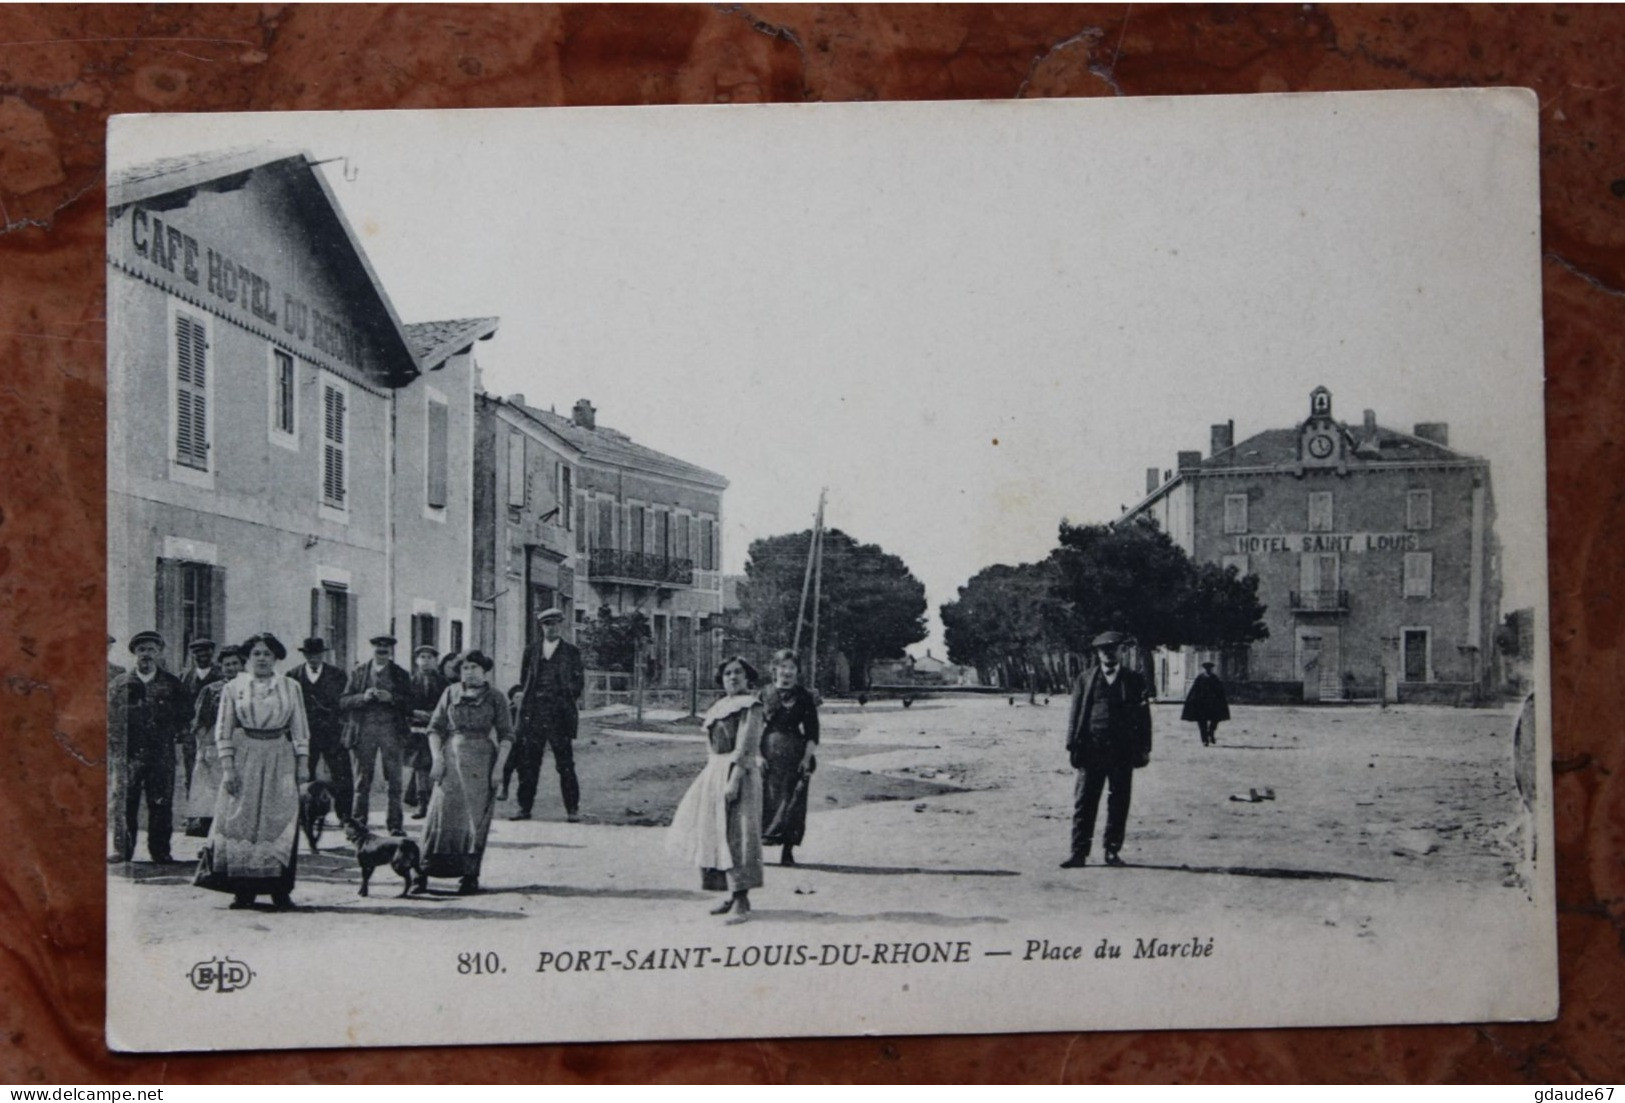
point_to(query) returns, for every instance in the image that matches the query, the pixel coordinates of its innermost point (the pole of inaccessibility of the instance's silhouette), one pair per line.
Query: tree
(1011, 624)
(871, 606)
(609, 641)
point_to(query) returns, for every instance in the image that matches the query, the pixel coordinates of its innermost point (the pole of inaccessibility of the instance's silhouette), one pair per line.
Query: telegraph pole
(806, 578)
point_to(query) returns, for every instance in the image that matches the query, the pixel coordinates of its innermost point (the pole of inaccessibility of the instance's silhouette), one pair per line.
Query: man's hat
(547, 615)
(148, 636)
(313, 645)
(1108, 639)
(230, 651)
(201, 644)
(424, 649)
(382, 641)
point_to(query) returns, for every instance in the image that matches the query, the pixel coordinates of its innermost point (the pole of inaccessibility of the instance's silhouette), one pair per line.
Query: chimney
(1223, 436)
(1370, 422)
(584, 415)
(1151, 480)
(1436, 431)
(1190, 461)
(516, 400)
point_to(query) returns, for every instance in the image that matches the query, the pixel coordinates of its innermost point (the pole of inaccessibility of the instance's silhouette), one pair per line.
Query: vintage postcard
(670, 572)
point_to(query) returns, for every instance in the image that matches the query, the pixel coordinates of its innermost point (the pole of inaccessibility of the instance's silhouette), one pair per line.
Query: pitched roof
(1279, 448)
(133, 183)
(433, 342)
(611, 446)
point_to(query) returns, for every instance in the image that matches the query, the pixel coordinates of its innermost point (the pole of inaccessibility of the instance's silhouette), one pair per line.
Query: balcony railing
(610, 565)
(1320, 601)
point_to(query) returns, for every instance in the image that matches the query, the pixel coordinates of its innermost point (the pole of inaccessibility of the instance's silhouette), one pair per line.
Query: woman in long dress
(718, 824)
(789, 737)
(470, 737)
(205, 791)
(263, 745)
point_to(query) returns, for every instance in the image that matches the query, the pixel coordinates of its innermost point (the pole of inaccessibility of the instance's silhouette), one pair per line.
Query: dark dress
(791, 723)
(468, 724)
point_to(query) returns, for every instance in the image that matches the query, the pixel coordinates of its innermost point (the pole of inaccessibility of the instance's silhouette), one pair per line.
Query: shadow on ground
(897, 871)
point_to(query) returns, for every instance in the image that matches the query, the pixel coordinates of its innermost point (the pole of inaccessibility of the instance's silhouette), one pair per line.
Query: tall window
(708, 545)
(634, 536)
(425, 631)
(191, 603)
(1418, 574)
(438, 455)
(335, 444)
(581, 521)
(680, 543)
(662, 533)
(191, 391)
(516, 469)
(1419, 509)
(566, 496)
(1318, 572)
(1414, 642)
(606, 524)
(282, 394)
(1320, 511)
(330, 619)
(456, 644)
(1235, 513)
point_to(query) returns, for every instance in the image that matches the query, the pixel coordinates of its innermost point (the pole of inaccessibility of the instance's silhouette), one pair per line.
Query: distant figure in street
(718, 824)
(470, 736)
(322, 684)
(263, 743)
(1207, 705)
(147, 712)
(789, 738)
(427, 687)
(200, 673)
(1108, 737)
(554, 679)
(377, 706)
(205, 787)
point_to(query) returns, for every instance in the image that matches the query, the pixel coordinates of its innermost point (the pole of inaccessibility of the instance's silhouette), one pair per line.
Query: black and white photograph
(763, 571)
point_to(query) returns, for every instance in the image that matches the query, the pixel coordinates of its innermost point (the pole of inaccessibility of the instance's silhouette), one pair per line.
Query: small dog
(400, 854)
(315, 802)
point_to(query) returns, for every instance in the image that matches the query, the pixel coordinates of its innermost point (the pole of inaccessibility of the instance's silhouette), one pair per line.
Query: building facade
(1375, 552)
(284, 454)
(575, 515)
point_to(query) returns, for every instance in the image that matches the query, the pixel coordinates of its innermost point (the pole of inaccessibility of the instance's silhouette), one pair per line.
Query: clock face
(1320, 446)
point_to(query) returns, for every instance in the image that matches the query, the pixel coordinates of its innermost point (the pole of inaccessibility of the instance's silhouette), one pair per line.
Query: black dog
(400, 854)
(315, 802)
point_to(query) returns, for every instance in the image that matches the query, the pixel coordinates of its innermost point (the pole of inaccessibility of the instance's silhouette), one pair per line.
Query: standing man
(1207, 705)
(427, 686)
(553, 682)
(377, 708)
(199, 674)
(1108, 737)
(323, 684)
(146, 710)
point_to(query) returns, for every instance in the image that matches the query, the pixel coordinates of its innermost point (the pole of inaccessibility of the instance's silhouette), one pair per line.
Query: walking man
(323, 686)
(147, 709)
(1207, 705)
(1108, 737)
(553, 682)
(202, 671)
(377, 706)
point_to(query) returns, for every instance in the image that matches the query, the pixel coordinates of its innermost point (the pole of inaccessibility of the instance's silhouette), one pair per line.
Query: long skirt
(460, 809)
(721, 836)
(784, 790)
(205, 791)
(253, 843)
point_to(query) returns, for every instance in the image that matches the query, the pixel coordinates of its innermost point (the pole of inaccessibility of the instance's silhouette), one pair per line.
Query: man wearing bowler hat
(554, 679)
(1108, 737)
(200, 673)
(146, 710)
(377, 706)
(322, 685)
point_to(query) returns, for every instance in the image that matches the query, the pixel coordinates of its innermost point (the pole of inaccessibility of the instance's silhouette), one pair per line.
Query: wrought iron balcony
(1320, 601)
(638, 568)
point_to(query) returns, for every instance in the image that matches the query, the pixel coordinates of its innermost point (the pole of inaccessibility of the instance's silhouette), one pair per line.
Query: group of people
(252, 740)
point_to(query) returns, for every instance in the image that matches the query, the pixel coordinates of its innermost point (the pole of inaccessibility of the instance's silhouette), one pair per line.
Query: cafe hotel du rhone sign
(239, 291)
(1298, 542)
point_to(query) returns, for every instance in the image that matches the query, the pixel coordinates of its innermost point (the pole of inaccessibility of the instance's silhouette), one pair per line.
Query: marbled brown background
(63, 70)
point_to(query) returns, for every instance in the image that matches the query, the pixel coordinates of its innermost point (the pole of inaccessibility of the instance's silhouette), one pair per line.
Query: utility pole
(818, 585)
(806, 578)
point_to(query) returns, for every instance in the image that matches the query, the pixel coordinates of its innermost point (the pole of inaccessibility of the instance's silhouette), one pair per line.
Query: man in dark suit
(427, 686)
(323, 684)
(554, 679)
(1108, 738)
(146, 710)
(200, 673)
(377, 706)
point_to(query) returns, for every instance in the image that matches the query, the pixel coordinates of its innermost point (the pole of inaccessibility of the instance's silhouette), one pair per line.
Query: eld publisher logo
(220, 975)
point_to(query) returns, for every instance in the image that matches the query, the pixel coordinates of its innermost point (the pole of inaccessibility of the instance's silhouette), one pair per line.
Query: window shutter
(438, 429)
(516, 469)
(217, 605)
(316, 613)
(167, 601)
(333, 441)
(191, 393)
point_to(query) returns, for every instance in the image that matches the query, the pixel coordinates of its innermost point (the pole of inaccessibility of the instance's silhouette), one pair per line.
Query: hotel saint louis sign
(1353, 542)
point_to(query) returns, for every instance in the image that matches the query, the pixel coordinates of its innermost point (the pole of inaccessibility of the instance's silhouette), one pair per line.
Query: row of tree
(1026, 626)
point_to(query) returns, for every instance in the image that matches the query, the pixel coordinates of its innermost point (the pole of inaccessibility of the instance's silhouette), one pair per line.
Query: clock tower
(1320, 440)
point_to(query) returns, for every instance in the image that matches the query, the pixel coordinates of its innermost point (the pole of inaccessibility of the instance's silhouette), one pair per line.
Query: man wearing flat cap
(377, 706)
(554, 679)
(1108, 738)
(322, 685)
(198, 673)
(147, 709)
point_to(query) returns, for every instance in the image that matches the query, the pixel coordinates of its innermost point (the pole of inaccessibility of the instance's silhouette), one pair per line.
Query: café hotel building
(1375, 554)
